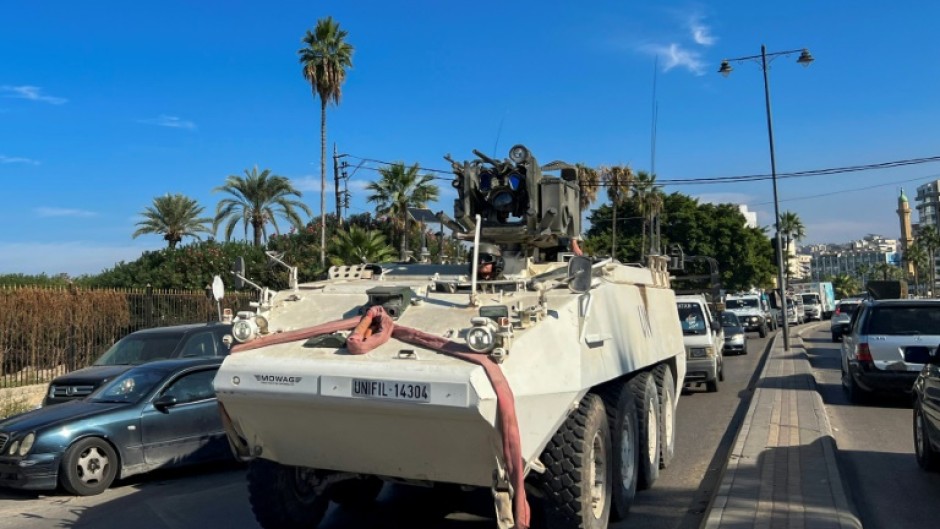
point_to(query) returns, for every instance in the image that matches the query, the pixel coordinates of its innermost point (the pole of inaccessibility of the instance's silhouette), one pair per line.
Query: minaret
(907, 239)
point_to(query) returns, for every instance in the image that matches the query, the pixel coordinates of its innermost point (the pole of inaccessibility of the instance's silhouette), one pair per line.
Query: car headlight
(700, 352)
(14, 446)
(27, 443)
(244, 330)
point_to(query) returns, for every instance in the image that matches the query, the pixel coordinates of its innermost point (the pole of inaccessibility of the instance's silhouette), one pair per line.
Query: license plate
(391, 390)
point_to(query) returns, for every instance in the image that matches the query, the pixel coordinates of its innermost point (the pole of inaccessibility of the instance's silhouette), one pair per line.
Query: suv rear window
(901, 320)
(847, 308)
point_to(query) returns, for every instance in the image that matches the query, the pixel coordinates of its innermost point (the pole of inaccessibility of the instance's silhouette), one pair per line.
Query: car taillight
(863, 353)
(838, 310)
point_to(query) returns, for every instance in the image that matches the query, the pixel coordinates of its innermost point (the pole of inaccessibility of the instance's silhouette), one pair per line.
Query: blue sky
(106, 105)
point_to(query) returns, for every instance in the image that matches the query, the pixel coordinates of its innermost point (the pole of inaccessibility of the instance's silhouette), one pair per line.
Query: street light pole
(805, 59)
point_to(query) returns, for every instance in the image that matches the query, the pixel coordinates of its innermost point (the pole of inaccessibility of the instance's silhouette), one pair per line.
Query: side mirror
(163, 402)
(579, 274)
(238, 269)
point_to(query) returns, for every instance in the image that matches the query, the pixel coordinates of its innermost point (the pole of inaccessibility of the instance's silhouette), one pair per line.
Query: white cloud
(308, 184)
(701, 33)
(14, 159)
(32, 93)
(63, 212)
(674, 55)
(170, 121)
(74, 257)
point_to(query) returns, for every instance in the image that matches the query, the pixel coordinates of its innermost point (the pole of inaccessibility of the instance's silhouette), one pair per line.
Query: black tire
(762, 331)
(643, 387)
(282, 497)
(927, 457)
(856, 394)
(712, 385)
(624, 441)
(835, 337)
(666, 385)
(88, 467)
(356, 493)
(721, 369)
(578, 469)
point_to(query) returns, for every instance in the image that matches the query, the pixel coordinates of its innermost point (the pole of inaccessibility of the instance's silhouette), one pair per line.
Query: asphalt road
(875, 448)
(216, 497)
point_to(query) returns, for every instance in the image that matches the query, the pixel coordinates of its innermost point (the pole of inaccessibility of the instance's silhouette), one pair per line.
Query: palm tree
(359, 246)
(929, 238)
(791, 229)
(398, 189)
(257, 200)
(845, 285)
(863, 270)
(885, 270)
(917, 256)
(618, 179)
(325, 58)
(588, 184)
(174, 217)
(649, 200)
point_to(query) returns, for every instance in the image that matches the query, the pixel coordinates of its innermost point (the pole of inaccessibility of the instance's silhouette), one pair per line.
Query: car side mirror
(163, 402)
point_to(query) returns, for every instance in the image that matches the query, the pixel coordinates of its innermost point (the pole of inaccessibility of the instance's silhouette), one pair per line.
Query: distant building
(928, 214)
(857, 258)
(750, 217)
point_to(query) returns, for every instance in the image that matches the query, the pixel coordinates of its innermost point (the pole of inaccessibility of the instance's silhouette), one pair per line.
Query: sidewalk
(782, 470)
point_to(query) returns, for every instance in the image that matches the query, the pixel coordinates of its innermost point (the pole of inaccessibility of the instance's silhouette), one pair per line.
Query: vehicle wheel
(721, 369)
(578, 469)
(762, 331)
(666, 385)
(643, 387)
(624, 442)
(927, 457)
(835, 338)
(88, 467)
(283, 497)
(712, 385)
(856, 394)
(356, 492)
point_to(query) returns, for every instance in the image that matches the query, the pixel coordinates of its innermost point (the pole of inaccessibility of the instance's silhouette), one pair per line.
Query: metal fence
(47, 331)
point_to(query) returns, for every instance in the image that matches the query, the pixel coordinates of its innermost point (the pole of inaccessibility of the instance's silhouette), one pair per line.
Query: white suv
(704, 340)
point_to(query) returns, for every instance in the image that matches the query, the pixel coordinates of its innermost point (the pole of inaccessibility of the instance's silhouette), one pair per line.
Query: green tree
(649, 200)
(618, 180)
(325, 58)
(174, 217)
(791, 229)
(845, 286)
(929, 238)
(257, 199)
(358, 246)
(589, 184)
(398, 189)
(917, 256)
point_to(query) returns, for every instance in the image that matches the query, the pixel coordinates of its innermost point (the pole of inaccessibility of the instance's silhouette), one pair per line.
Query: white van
(704, 340)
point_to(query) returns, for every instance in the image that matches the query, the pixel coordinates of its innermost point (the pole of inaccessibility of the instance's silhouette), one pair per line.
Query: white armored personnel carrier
(548, 378)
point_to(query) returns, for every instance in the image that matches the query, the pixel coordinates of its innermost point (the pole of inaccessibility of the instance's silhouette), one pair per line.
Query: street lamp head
(726, 68)
(805, 58)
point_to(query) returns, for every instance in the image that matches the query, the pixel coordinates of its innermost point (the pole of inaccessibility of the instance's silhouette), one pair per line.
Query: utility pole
(339, 212)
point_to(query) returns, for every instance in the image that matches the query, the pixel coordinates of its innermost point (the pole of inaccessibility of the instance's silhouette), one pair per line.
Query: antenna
(499, 131)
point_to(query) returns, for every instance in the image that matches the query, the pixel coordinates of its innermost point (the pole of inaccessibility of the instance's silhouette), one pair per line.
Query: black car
(157, 415)
(926, 407)
(161, 343)
(735, 334)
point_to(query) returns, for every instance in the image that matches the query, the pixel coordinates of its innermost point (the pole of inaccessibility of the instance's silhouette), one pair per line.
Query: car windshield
(129, 387)
(746, 303)
(135, 349)
(810, 298)
(690, 315)
(729, 319)
(905, 320)
(847, 308)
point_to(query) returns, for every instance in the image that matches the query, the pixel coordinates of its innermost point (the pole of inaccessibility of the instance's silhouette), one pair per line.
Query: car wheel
(624, 436)
(643, 387)
(356, 493)
(721, 369)
(927, 457)
(835, 337)
(762, 331)
(578, 470)
(89, 467)
(283, 497)
(666, 386)
(856, 394)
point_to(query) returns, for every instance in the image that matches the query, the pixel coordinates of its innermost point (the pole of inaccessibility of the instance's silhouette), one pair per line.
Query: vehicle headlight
(14, 446)
(698, 352)
(27, 443)
(244, 330)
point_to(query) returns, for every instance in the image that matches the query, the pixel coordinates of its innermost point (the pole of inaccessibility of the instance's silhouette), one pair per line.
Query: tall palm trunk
(323, 101)
(404, 237)
(613, 233)
(256, 227)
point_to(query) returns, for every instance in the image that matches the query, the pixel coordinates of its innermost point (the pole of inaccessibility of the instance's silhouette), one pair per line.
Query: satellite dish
(218, 289)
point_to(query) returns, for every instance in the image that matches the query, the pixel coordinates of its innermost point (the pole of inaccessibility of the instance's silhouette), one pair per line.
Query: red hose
(361, 341)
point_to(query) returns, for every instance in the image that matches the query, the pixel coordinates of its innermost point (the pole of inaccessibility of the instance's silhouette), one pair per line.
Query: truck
(549, 378)
(753, 309)
(819, 299)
